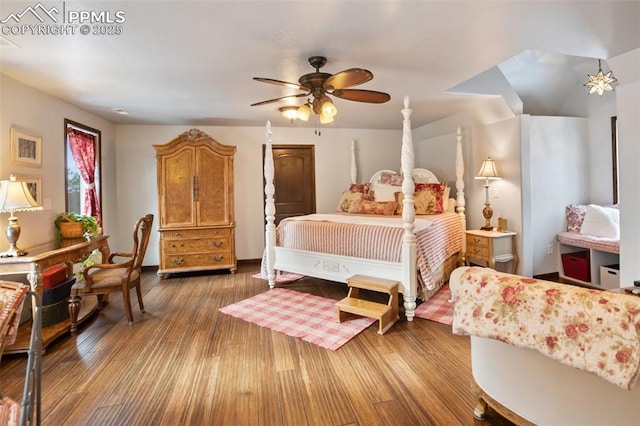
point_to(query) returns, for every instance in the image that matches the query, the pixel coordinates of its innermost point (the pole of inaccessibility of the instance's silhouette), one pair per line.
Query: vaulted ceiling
(192, 62)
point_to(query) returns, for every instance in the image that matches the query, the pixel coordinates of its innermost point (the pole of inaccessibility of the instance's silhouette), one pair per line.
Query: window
(82, 169)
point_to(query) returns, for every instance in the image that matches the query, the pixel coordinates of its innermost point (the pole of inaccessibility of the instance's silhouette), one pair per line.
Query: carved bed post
(460, 202)
(409, 270)
(269, 209)
(354, 166)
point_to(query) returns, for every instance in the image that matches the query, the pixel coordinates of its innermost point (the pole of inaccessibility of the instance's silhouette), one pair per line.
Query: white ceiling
(192, 62)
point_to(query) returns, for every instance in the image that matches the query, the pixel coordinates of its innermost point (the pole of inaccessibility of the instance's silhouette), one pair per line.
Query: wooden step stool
(387, 314)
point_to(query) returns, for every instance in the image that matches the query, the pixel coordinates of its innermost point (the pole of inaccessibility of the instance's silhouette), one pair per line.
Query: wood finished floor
(184, 363)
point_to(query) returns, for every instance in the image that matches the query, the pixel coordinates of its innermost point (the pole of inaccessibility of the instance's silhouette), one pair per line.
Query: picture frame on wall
(34, 183)
(26, 148)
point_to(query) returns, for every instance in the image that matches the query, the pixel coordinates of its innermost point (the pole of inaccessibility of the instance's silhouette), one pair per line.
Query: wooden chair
(105, 278)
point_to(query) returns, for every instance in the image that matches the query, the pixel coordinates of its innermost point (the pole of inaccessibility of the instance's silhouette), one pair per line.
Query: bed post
(460, 202)
(269, 209)
(409, 269)
(354, 166)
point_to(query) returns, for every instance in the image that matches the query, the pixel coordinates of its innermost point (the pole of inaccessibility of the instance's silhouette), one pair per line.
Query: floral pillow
(363, 206)
(428, 198)
(575, 216)
(391, 179)
(347, 199)
(364, 188)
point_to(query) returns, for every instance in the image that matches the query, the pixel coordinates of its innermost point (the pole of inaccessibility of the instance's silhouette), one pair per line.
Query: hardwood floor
(183, 362)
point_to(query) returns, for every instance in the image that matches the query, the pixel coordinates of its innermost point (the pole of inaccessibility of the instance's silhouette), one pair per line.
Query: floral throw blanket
(592, 330)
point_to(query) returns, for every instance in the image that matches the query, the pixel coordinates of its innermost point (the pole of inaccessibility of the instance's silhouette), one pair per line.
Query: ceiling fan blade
(347, 78)
(370, 96)
(299, 95)
(279, 83)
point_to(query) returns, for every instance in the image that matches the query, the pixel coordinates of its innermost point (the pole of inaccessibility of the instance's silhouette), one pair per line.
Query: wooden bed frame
(338, 268)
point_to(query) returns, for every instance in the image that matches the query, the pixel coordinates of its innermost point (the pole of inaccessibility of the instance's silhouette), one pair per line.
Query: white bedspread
(365, 219)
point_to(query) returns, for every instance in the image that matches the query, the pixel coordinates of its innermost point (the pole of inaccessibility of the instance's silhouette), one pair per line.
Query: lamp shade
(304, 112)
(289, 112)
(15, 196)
(488, 170)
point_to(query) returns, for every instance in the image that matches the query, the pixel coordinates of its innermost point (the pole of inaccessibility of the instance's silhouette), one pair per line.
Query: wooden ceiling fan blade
(279, 83)
(348, 78)
(370, 96)
(299, 95)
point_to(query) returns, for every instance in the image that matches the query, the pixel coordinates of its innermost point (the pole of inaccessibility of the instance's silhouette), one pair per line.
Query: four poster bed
(419, 251)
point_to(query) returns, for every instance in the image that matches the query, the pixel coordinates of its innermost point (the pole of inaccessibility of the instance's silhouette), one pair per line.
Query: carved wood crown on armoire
(195, 204)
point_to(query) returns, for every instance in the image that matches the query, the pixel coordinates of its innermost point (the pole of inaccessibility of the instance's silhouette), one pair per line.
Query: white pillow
(383, 192)
(603, 222)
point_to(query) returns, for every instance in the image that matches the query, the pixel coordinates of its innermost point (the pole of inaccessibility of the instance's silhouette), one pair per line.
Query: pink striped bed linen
(589, 242)
(434, 245)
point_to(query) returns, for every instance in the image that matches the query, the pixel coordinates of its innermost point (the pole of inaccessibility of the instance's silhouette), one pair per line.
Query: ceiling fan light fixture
(289, 113)
(600, 82)
(328, 108)
(304, 112)
(325, 119)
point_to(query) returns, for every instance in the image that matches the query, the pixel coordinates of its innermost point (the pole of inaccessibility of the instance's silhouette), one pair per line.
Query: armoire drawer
(175, 246)
(197, 260)
(181, 234)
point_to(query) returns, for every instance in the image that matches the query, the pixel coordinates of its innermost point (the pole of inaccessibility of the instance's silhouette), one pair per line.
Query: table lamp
(15, 197)
(488, 172)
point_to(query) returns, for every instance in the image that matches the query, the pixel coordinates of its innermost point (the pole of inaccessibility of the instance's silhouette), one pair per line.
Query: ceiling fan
(320, 84)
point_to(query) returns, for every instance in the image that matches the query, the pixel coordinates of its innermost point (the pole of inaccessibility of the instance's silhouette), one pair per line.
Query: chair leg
(139, 294)
(74, 309)
(126, 296)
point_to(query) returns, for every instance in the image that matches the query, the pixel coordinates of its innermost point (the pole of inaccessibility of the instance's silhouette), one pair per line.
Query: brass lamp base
(487, 212)
(13, 233)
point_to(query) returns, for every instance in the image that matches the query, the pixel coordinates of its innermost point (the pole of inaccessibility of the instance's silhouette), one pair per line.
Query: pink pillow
(575, 216)
(428, 198)
(391, 179)
(347, 199)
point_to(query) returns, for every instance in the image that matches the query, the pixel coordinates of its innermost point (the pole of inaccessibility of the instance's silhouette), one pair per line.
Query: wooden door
(294, 180)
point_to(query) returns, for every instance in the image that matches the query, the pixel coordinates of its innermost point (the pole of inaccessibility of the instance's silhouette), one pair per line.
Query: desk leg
(74, 310)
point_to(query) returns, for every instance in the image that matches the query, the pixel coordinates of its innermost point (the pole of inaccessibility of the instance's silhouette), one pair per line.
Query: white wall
(558, 161)
(136, 176)
(31, 110)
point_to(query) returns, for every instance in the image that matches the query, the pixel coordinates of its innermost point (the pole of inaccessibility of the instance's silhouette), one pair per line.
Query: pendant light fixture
(600, 82)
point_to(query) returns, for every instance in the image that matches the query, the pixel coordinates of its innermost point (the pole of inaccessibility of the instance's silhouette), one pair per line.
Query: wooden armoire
(195, 204)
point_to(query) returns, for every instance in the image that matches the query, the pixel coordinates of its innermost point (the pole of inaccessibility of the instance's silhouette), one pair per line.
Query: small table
(41, 259)
(490, 247)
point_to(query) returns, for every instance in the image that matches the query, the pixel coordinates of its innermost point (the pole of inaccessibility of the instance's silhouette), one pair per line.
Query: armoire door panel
(177, 197)
(213, 205)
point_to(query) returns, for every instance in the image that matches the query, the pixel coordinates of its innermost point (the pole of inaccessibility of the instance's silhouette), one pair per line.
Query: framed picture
(26, 148)
(34, 183)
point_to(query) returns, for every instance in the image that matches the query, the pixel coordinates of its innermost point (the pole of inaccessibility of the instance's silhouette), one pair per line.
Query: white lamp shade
(488, 170)
(15, 196)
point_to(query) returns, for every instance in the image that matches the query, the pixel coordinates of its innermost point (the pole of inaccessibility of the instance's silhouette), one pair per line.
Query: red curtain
(83, 149)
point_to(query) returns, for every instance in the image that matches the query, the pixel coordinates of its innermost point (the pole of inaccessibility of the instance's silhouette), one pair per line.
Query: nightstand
(490, 247)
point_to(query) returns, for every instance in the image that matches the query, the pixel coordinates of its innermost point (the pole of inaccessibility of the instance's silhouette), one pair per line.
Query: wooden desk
(34, 263)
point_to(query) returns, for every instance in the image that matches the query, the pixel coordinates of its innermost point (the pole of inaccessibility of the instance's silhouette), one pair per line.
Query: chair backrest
(141, 234)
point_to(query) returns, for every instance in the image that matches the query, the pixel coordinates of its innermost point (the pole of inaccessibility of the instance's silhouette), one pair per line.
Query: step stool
(387, 314)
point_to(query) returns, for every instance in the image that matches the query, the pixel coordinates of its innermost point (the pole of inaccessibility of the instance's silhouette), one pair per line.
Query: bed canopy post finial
(460, 202)
(354, 166)
(409, 247)
(269, 209)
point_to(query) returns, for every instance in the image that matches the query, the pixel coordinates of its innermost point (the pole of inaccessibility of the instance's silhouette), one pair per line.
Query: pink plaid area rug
(437, 308)
(282, 277)
(311, 318)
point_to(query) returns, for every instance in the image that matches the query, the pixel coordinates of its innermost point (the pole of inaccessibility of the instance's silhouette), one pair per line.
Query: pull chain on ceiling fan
(320, 84)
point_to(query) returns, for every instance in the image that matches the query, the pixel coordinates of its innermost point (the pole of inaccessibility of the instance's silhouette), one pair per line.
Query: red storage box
(576, 265)
(53, 276)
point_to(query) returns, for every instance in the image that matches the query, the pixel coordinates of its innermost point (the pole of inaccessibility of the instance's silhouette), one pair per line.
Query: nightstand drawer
(477, 251)
(477, 241)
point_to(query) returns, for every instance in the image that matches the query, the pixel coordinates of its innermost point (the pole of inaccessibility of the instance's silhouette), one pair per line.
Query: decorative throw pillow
(347, 199)
(363, 188)
(575, 216)
(383, 192)
(372, 207)
(603, 222)
(391, 179)
(429, 198)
